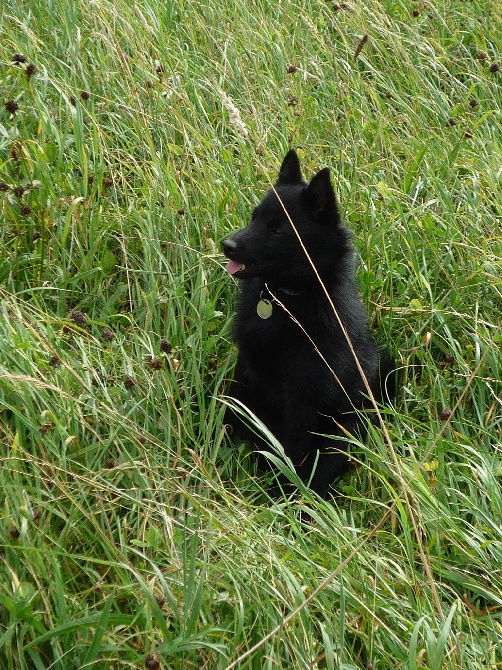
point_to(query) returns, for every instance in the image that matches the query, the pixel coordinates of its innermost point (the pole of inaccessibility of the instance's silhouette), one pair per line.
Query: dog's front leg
(318, 460)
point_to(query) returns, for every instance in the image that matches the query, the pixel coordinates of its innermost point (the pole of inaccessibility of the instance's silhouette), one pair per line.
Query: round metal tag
(264, 309)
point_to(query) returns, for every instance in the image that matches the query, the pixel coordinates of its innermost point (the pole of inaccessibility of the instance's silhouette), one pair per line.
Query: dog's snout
(229, 246)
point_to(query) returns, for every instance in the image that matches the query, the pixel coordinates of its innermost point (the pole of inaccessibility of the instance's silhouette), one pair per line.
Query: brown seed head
(85, 95)
(46, 427)
(4, 186)
(107, 334)
(129, 382)
(481, 55)
(494, 67)
(360, 46)
(26, 210)
(445, 414)
(78, 317)
(18, 191)
(11, 106)
(160, 600)
(152, 661)
(18, 58)
(292, 69)
(166, 347)
(54, 361)
(30, 70)
(155, 363)
(452, 121)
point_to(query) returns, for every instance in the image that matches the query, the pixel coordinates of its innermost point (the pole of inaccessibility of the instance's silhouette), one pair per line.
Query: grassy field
(133, 535)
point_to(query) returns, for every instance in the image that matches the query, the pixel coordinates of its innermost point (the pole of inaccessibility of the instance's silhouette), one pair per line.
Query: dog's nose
(229, 246)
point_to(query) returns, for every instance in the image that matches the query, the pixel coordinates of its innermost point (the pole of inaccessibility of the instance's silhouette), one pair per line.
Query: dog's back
(300, 325)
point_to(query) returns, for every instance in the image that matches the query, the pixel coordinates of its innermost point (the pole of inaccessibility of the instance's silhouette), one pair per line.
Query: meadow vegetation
(133, 138)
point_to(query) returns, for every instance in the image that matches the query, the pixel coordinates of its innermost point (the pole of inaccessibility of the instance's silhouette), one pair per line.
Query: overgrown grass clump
(133, 534)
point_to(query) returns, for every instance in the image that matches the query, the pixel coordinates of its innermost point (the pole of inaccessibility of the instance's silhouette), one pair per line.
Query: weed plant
(133, 138)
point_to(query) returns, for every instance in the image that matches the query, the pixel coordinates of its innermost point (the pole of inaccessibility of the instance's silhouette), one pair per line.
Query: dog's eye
(274, 227)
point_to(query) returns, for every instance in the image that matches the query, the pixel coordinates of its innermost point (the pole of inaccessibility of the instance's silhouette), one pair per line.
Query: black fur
(293, 388)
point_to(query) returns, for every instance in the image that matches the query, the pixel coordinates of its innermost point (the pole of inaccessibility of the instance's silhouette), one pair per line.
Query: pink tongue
(233, 267)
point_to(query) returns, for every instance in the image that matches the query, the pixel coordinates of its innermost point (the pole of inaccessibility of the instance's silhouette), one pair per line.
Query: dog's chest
(263, 323)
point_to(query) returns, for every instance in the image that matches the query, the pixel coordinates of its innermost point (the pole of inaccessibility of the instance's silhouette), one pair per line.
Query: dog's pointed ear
(290, 172)
(321, 194)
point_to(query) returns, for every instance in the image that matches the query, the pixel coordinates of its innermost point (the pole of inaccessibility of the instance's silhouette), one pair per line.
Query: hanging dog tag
(264, 309)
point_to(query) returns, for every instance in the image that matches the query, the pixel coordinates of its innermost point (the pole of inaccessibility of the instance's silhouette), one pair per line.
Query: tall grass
(133, 534)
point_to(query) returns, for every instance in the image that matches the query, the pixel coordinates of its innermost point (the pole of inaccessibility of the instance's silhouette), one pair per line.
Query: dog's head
(295, 218)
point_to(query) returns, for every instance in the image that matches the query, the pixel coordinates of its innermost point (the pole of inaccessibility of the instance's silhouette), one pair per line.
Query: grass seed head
(160, 600)
(166, 347)
(11, 106)
(155, 363)
(18, 58)
(129, 382)
(107, 334)
(152, 661)
(30, 70)
(79, 318)
(235, 117)
(360, 46)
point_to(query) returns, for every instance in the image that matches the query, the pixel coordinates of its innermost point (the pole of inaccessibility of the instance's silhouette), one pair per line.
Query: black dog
(296, 370)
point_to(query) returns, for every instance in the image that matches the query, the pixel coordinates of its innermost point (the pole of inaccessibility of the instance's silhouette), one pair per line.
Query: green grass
(133, 535)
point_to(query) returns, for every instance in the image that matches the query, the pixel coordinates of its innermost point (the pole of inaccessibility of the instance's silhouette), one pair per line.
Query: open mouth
(243, 271)
(234, 267)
